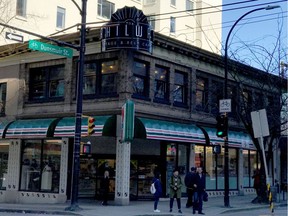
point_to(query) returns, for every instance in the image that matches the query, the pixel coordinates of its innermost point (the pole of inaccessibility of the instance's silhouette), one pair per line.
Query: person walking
(175, 190)
(190, 183)
(105, 187)
(158, 192)
(200, 182)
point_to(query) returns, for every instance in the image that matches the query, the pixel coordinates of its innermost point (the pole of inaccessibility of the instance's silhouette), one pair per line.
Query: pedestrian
(190, 183)
(200, 182)
(105, 187)
(158, 193)
(256, 178)
(175, 190)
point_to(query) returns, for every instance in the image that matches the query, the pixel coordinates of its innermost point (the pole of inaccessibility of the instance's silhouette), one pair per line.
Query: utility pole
(78, 116)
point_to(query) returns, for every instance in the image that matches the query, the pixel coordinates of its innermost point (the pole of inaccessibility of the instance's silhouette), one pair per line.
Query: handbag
(205, 196)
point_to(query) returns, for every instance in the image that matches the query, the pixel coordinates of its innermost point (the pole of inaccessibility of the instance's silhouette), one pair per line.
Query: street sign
(260, 123)
(48, 48)
(15, 37)
(225, 105)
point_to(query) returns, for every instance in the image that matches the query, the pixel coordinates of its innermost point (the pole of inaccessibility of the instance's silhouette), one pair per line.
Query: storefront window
(171, 152)
(40, 170)
(210, 169)
(233, 169)
(246, 168)
(4, 149)
(182, 163)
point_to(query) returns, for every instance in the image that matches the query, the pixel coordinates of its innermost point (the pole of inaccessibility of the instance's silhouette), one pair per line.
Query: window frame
(204, 94)
(189, 6)
(164, 83)
(60, 11)
(46, 82)
(184, 89)
(172, 25)
(144, 78)
(98, 78)
(21, 8)
(102, 4)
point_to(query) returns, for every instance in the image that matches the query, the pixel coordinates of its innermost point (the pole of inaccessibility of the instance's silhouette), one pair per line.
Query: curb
(38, 212)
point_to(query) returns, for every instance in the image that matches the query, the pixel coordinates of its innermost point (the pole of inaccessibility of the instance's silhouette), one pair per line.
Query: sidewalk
(215, 206)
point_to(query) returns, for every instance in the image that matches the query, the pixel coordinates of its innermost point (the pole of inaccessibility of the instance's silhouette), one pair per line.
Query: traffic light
(91, 125)
(222, 126)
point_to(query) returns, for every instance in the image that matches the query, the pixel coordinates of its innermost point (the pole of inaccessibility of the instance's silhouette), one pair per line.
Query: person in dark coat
(190, 183)
(175, 190)
(158, 193)
(200, 179)
(105, 187)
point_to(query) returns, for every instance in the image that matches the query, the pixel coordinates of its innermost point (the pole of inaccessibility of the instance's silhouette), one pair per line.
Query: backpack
(152, 188)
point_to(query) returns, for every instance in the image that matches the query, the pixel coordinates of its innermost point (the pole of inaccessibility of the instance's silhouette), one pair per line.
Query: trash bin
(274, 191)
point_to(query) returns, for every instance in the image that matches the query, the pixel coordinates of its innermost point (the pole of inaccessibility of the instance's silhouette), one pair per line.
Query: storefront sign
(128, 28)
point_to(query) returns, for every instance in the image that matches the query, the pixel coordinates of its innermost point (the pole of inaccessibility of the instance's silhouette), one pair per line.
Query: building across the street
(175, 89)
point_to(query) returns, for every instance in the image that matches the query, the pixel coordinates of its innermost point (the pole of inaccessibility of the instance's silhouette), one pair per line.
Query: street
(279, 211)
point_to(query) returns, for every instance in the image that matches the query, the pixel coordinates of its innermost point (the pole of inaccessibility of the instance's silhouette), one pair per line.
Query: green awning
(235, 139)
(31, 128)
(66, 126)
(171, 131)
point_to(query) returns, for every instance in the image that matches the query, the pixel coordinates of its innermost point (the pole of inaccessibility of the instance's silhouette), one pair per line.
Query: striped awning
(235, 139)
(30, 128)
(66, 126)
(171, 131)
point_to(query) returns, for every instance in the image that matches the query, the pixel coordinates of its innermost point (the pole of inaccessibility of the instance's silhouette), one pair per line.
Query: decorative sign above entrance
(128, 28)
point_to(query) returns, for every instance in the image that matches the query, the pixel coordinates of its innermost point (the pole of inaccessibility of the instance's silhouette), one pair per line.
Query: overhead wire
(224, 5)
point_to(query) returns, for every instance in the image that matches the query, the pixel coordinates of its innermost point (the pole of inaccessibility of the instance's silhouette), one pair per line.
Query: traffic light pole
(226, 153)
(77, 137)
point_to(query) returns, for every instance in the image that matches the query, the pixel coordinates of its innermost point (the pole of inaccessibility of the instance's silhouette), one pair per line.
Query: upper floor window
(152, 22)
(201, 94)
(105, 9)
(60, 22)
(247, 102)
(189, 5)
(100, 78)
(173, 2)
(21, 8)
(180, 88)
(161, 89)
(3, 92)
(216, 95)
(172, 24)
(47, 82)
(109, 71)
(140, 80)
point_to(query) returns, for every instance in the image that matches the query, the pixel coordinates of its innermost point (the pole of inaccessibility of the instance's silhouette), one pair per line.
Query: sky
(256, 32)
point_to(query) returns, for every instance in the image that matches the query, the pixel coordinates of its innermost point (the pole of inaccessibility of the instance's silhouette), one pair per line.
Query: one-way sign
(15, 37)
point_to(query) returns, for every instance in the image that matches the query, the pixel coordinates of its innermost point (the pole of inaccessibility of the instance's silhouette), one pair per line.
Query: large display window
(40, 168)
(213, 165)
(250, 164)
(4, 149)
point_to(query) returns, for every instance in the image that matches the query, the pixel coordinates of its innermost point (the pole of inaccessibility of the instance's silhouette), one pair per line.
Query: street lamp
(226, 153)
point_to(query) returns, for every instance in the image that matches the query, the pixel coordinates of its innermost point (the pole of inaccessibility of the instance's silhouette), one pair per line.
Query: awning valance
(165, 130)
(31, 128)
(66, 126)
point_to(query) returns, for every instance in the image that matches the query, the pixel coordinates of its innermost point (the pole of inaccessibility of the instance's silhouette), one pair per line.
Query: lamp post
(78, 115)
(226, 152)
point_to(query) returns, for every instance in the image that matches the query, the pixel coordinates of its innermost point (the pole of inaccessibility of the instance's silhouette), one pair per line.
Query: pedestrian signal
(216, 149)
(91, 126)
(222, 126)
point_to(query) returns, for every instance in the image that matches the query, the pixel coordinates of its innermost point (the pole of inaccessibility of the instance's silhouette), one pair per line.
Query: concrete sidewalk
(215, 206)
